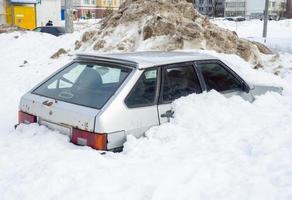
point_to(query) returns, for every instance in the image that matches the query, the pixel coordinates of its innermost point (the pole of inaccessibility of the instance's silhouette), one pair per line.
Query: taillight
(84, 138)
(26, 118)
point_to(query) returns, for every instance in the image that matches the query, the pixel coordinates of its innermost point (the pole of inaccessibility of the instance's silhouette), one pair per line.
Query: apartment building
(235, 8)
(84, 9)
(254, 8)
(213, 8)
(104, 5)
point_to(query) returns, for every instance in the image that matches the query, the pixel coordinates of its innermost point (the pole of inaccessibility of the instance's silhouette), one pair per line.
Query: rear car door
(141, 104)
(177, 80)
(217, 76)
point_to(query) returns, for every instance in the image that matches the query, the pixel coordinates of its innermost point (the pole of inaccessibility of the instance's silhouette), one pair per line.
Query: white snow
(214, 148)
(279, 39)
(279, 34)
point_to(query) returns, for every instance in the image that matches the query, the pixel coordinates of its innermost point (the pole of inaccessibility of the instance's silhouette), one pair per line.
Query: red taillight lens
(85, 138)
(24, 118)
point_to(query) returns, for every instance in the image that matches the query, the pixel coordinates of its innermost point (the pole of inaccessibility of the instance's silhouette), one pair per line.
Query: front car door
(217, 76)
(177, 80)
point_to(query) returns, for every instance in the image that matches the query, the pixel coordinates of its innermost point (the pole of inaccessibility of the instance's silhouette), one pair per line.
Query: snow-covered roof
(146, 59)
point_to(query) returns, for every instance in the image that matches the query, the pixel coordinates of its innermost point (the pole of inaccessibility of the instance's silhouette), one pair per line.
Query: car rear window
(87, 84)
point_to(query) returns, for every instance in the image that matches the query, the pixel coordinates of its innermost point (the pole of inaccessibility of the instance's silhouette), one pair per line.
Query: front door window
(178, 82)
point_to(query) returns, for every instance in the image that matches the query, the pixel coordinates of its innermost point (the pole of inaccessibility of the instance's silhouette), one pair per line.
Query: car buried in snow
(97, 100)
(53, 30)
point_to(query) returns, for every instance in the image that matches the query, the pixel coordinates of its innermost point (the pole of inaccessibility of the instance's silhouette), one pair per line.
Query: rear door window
(85, 84)
(179, 81)
(38, 29)
(218, 78)
(144, 92)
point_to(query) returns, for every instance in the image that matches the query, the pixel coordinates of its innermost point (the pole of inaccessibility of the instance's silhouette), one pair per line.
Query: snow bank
(214, 148)
(165, 25)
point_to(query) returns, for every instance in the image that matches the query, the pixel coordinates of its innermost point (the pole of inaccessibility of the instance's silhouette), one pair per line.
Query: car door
(217, 76)
(141, 102)
(177, 80)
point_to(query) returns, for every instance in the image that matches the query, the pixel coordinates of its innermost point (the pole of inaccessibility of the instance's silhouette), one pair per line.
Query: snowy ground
(279, 35)
(279, 39)
(220, 149)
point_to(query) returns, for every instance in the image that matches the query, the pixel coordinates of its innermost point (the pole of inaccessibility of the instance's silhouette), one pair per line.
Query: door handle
(168, 114)
(48, 103)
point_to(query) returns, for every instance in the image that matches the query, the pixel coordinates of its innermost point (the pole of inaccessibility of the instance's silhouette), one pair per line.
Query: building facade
(214, 8)
(21, 13)
(86, 9)
(235, 8)
(2, 12)
(105, 6)
(254, 9)
(29, 14)
(48, 10)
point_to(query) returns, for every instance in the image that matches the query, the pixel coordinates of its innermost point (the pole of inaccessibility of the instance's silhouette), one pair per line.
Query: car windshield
(87, 84)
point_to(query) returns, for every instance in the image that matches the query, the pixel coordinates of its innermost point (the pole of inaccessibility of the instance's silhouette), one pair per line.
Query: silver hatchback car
(98, 100)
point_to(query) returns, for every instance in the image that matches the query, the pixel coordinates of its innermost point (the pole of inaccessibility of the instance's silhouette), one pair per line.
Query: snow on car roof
(146, 59)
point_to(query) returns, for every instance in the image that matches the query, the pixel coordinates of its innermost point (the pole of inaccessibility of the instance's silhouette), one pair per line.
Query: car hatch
(59, 115)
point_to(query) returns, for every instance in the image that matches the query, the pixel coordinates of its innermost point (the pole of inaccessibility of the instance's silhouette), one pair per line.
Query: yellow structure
(113, 4)
(22, 15)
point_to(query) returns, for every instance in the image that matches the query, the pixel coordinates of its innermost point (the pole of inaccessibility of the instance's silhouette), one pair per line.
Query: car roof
(146, 59)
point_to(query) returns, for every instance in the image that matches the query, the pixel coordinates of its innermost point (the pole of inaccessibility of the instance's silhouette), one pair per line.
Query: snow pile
(214, 148)
(163, 25)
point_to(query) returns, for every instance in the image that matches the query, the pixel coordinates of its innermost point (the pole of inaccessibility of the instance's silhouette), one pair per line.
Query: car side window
(144, 92)
(38, 29)
(218, 78)
(178, 82)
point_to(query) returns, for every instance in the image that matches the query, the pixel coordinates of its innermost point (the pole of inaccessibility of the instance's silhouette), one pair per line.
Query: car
(239, 19)
(97, 100)
(53, 30)
(235, 19)
(229, 18)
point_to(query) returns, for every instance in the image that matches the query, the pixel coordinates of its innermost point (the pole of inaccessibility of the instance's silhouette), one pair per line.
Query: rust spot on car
(86, 126)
